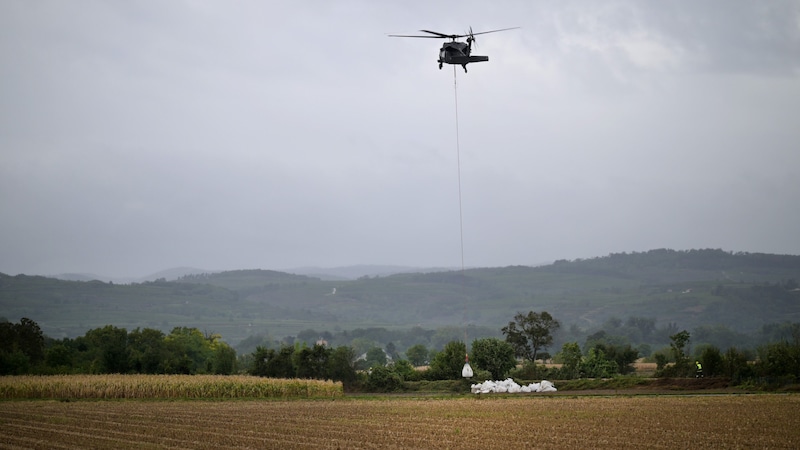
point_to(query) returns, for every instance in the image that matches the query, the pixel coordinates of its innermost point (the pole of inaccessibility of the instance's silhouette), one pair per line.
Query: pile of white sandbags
(510, 386)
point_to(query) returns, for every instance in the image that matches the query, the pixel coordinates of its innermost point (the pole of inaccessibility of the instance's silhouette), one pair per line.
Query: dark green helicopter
(455, 52)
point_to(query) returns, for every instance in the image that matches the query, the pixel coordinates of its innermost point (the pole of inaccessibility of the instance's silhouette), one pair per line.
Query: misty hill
(689, 288)
(358, 271)
(169, 274)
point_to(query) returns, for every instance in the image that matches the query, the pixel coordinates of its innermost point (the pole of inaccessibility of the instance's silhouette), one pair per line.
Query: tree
(375, 356)
(678, 344)
(711, 357)
(341, 364)
(570, 357)
(21, 346)
(311, 362)
(224, 360)
(598, 365)
(417, 355)
(531, 333)
(677, 349)
(447, 364)
(623, 356)
(108, 348)
(383, 379)
(148, 351)
(391, 350)
(30, 339)
(493, 355)
(270, 363)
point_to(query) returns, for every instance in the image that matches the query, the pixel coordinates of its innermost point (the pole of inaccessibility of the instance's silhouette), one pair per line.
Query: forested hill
(692, 288)
(667, 266)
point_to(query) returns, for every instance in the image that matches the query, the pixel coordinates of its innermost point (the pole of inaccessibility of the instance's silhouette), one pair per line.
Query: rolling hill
(742, 291)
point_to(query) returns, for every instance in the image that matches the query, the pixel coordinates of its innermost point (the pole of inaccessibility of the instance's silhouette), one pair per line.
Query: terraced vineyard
(557, 421)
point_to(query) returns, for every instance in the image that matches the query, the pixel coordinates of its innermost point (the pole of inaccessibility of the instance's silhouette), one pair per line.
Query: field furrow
(724, 421)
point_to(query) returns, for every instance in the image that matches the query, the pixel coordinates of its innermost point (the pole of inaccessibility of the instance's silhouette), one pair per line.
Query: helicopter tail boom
(466, 59)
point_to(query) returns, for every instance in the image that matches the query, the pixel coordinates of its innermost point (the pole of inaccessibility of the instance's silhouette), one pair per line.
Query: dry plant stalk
(162, 387)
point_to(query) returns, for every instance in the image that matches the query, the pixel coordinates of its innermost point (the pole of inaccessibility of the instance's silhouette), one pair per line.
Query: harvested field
(502, 422)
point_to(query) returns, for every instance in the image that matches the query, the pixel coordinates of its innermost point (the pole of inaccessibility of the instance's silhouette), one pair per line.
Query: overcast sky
(137, 136)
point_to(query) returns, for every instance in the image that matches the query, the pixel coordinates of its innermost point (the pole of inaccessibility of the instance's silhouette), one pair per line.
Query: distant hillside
(168, 274)
(689, 288)
(355, 272)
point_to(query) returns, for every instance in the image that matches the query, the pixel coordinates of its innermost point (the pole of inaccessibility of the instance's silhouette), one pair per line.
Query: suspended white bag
(466, 372)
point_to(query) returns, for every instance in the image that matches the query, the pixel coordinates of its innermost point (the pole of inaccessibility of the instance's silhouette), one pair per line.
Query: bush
(447, 364)
(383, 379)
(532, 371)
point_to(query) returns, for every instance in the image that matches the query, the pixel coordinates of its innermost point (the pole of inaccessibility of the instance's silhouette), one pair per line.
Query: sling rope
(458, 160)
(460, 209)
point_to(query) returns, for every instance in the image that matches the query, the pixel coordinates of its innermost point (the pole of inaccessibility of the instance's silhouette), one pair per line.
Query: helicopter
(455, 52)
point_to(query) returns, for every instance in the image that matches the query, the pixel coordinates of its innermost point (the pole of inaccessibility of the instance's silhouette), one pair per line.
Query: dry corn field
(162, 387)
(503, 422)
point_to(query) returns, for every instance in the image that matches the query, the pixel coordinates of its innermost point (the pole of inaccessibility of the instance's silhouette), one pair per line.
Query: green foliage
(224, 359)
(711, 359)
(447, 364)
(570, 357)
(780, 359)
(14, 363)
(317, 362)
(111, 349)
(311, 362)
(405, 370)
(341, 365)
(735, 365)
(531, 370)
(383, 379)
(375, 356)
(598, 365)
(273, 363)
(682, 366)
(417, 355)
(529, 334)
(21, 346)
(108, 349)
(493, 355)
(148, 351)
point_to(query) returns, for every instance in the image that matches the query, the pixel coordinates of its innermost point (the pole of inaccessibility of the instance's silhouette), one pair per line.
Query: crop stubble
(724, 421)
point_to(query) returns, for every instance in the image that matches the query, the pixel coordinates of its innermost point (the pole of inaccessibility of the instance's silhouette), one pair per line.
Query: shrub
(383, 379)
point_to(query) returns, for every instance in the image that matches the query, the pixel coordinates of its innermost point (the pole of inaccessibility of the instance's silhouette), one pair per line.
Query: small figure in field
(699, 372)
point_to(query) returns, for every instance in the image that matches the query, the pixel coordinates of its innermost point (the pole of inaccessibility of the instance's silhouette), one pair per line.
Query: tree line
(519, 354)
(25, 350)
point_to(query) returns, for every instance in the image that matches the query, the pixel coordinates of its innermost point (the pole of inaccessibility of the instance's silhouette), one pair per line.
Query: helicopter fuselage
(458, 53)
(454, 52)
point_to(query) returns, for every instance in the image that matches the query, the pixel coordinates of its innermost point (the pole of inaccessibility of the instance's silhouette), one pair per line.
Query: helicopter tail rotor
(471, 38)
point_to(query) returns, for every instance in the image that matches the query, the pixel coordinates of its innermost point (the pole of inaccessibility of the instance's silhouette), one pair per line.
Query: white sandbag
(510, 386)
(547, 386)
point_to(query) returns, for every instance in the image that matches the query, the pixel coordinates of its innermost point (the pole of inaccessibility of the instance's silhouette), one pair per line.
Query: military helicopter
(455, 52)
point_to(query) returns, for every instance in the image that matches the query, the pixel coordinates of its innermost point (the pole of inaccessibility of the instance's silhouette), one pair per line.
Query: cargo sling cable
(458, 161)
(466, 372)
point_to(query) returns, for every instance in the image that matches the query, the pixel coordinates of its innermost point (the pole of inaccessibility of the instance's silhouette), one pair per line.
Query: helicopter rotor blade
(442, 35)
(437, 35)
(491, 31)
(417, 36)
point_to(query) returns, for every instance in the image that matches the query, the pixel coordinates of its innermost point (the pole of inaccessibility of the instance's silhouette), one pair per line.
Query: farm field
(486, 422)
